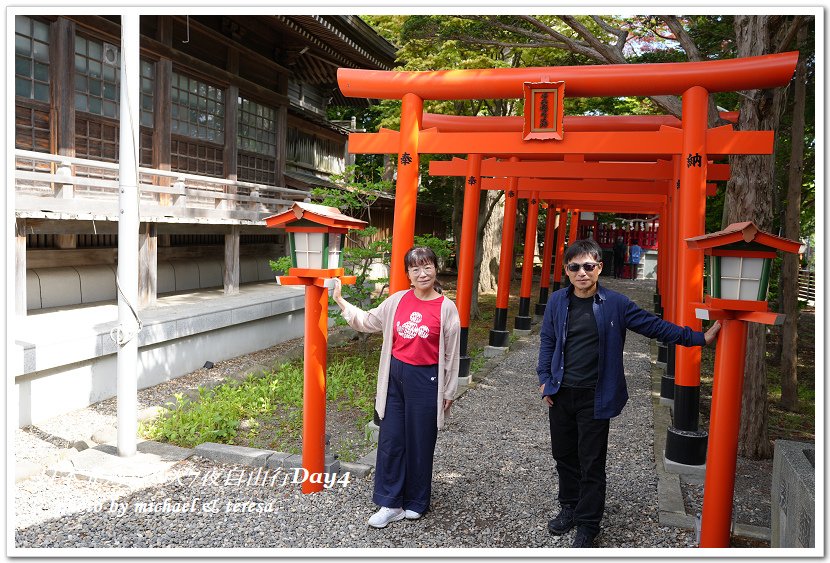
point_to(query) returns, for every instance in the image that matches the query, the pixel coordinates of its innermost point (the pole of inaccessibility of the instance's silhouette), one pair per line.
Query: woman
(417, 380)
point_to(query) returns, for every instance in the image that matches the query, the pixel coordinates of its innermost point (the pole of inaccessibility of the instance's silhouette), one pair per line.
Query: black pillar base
(499, 338)
(543, 300)
(670, 350)
(556, 286)
(686, 446)
(464, 366)
(662, 352)
(523, 323)
(657, 303)
(667, 387)
(523, 319)
(685, 443)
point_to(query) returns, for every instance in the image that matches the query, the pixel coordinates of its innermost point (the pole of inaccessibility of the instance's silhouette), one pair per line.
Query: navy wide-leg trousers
(406, 444)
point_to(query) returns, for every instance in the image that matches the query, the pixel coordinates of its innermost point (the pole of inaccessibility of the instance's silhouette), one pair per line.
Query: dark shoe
(583, 539)
(563, 521)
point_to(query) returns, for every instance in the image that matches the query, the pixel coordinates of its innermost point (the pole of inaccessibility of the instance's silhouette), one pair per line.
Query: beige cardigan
(382, 318)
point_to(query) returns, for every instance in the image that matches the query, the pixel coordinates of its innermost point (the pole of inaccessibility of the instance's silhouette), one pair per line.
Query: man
(582, 382)
(635, 252)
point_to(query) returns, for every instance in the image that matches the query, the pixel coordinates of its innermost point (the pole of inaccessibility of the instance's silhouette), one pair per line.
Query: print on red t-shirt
(417, 330)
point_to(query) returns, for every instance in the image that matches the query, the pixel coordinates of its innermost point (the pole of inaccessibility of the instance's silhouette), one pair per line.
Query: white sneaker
(412, 515)
(385, 515)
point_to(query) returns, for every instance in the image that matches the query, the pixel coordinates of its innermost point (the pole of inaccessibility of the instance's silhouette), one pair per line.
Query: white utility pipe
(128, 222)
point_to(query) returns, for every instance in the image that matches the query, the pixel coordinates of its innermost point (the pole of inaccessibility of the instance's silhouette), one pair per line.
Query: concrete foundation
(64, 359)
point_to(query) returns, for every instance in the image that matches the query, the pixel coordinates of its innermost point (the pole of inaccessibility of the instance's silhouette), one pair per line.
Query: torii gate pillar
(406, 190)
(466, 257)
(499, 335)
(685, 443)
(560, 249)
(523, 319)
(547, 254)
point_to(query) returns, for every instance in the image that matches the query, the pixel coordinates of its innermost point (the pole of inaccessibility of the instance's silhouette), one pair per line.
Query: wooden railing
(81, 188)
(806, 285)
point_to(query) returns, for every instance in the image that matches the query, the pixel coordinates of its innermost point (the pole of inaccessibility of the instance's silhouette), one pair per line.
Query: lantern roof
(744, 232)
(321, 214)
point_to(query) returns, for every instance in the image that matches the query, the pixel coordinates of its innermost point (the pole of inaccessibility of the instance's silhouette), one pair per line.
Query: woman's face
(422, 276)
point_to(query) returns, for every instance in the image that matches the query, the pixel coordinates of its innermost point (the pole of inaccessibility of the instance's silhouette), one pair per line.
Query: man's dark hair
(584, 246)
(635, 242)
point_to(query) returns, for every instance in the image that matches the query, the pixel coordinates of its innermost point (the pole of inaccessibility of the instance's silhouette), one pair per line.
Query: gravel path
(494, 486)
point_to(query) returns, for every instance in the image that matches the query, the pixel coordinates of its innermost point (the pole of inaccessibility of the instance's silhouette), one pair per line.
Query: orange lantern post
(316, 235)
(740, 257)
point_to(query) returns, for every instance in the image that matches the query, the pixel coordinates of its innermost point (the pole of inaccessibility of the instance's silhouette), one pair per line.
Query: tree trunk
(792, 230)
(491, 244)
(749, 197)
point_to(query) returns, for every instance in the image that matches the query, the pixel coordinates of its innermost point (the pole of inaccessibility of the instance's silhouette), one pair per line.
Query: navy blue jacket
(614, 314)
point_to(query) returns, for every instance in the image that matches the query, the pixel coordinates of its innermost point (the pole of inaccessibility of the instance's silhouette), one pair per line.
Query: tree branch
(682, 37)
(797, 22)
(608, 53)
(619, 33)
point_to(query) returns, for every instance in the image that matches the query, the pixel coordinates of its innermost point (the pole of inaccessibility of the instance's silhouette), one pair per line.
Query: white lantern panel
(308, 248)
(749, 290)
(301, 241)
(730, 266)
(751, 268)
(334, 249)
(729, 288)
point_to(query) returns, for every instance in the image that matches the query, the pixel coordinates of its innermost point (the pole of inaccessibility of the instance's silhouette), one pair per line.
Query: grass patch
(267, 411)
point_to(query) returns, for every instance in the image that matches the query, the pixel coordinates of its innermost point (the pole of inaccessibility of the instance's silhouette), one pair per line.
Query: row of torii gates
(627, 164)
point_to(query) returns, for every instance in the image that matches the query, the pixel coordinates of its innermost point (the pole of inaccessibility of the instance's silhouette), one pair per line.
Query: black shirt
(581, 344)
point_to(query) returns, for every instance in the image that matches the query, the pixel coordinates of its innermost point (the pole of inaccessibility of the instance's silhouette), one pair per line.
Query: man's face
(584, 282)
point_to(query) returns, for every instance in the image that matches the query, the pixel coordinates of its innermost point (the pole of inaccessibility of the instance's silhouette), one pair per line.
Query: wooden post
(148, 265)
(62, 113)
(230, 152)
(231, 269)
(162, 124)
(281, 131)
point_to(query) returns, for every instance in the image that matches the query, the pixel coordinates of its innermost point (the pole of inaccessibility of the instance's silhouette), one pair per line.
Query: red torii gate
(693, 81)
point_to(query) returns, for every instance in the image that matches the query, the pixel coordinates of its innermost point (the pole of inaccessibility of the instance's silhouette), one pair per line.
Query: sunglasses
(587, 266)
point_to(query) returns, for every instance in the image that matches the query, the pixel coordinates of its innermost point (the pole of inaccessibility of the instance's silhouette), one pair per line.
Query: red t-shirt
(417, 330)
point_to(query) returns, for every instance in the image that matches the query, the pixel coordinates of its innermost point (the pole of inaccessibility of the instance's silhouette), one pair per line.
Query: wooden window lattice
(31, 61)
(196, 158)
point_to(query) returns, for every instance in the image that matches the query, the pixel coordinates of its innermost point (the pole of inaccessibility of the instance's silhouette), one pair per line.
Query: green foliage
(273, 402)
(442, 248)
(216, 415)
(280, 265)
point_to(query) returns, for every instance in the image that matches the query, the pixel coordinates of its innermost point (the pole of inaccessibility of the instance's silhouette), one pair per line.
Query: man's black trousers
(579, 444)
